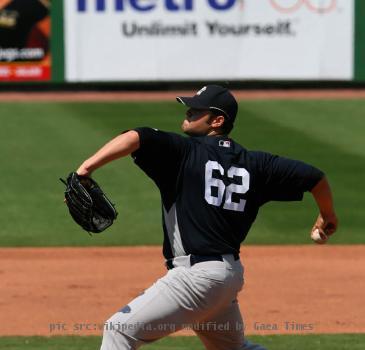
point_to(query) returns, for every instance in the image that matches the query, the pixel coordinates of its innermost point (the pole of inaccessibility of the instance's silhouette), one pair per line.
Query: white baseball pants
(202, 297)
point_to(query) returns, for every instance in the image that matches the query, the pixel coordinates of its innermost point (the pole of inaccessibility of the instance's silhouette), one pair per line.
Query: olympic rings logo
(317, 6)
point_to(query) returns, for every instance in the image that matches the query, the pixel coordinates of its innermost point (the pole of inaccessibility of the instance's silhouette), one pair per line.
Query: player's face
(197, 122)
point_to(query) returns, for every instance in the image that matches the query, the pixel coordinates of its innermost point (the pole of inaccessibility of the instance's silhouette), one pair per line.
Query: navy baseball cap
(213, 97)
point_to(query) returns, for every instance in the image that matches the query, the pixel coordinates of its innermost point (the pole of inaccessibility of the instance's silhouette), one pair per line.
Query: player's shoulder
(153, 137)
(259, 155)
(157, 132)
(259, 158)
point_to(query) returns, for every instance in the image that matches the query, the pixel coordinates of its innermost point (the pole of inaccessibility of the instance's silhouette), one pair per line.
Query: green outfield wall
(359, 34)
(57, 42)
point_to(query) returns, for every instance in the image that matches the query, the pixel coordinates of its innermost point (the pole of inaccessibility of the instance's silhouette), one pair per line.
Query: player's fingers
(323, 234)
(319, 236)
(330, 228)
(318, 223)
(330, 224)
(319, 220)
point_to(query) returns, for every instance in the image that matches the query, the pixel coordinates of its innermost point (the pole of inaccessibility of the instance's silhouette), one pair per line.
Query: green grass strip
(272, 342)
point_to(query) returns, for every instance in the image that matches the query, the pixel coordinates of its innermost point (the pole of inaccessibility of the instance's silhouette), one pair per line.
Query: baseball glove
(88, 204)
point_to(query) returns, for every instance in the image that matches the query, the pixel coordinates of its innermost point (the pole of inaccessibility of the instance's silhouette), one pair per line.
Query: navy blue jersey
(212, 188)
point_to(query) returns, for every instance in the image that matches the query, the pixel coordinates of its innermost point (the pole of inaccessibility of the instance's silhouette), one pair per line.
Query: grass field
(42, 141)
(275, 342)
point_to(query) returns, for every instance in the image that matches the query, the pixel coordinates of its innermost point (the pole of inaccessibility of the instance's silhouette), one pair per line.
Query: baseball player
(211, 190)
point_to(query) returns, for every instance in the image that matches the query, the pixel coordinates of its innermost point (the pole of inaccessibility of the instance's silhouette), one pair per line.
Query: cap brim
(191, 102)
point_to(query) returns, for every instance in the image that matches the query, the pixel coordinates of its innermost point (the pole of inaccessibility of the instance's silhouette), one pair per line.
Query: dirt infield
(170, 95)
(292, 289)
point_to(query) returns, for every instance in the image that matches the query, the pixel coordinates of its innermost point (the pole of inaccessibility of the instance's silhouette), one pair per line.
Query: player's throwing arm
(326, 223)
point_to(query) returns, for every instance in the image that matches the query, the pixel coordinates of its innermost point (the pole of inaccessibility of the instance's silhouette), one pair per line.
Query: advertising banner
(181, 40)
(24, 40)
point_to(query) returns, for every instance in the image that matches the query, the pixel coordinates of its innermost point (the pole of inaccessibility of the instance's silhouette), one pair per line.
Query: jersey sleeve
(160, 154)
(286, 179)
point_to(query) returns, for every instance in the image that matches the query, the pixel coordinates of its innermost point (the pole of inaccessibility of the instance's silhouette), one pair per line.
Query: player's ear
(217, 121)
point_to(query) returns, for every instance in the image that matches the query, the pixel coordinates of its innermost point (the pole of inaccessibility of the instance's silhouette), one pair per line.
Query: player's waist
(192, 259)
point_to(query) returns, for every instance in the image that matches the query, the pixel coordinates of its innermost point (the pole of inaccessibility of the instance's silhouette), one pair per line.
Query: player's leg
(225, 330)
(147, 318)
(224, 327)
(181, 298)
(175, 301)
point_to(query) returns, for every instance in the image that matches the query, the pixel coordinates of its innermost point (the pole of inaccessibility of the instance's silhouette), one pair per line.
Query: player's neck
(215, 133)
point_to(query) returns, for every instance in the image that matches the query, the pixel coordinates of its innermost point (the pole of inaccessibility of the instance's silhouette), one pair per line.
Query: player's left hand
(88, 204)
